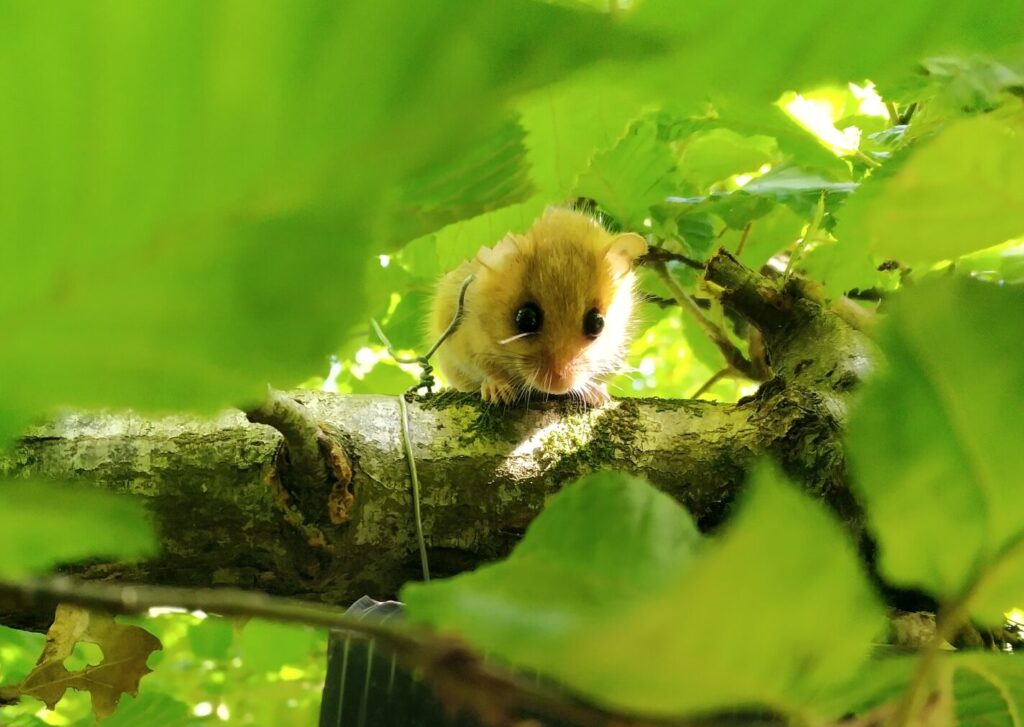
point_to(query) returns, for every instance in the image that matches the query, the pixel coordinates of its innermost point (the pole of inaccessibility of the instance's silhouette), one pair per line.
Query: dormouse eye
(529, 318)
(593, 323)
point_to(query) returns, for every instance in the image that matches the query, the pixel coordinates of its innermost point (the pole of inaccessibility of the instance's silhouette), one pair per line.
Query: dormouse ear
(496, 258)
(623, 250)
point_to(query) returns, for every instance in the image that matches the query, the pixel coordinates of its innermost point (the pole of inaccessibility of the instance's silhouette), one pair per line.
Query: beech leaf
(125, 651)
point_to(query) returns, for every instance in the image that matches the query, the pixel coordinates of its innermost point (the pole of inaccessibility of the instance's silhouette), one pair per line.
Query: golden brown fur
(566, 264)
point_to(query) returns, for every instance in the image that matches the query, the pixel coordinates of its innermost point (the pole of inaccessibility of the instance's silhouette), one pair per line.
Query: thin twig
(657, 255)
(743, 238)
(427, 371)
(808, 237)
(460, 677)
(456, 319)
(718, 376)
(733, 356)
(415, 480)
(121, 599)
(894, 114)
(662, 302)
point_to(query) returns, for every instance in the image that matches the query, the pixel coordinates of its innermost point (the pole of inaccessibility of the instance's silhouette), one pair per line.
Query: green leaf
(771, 234)
(988, 689)
(1000, 264)
(959, 192)
(42, 525)
(801, 147)
(19, 651)
(840, 268)
(148, 708)
(194, 219)
(211, 638)
(635, 174)
(486, 175)
(762, 49)
(268, 646)
(406, 326)
(461, 241)
(796, 185)
(567, 575)
(711, 156)
(934, 444)
(386, 377)
(613, 573)
(568, 122)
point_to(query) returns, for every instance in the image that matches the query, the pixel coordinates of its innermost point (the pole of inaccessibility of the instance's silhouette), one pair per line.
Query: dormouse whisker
(516, 337)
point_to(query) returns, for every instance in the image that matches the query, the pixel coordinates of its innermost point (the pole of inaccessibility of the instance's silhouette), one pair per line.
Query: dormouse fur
(566, 269)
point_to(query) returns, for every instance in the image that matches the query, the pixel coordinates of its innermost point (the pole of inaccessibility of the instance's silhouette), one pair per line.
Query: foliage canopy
(199, 198)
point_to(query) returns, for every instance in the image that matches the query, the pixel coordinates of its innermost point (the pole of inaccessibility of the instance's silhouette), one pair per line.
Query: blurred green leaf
(756, 52)
(27, 720)
(934, 444)
(174, 234)
(635, 174)
(406, 327)
(386, 377)
(613, 573)
(18, 653)
(211, 638)
(999, 264)
(42, 525)
(959, 192)
(267, 646)
(487, 174)
(148, 708)
(988, 689)
(461, 241)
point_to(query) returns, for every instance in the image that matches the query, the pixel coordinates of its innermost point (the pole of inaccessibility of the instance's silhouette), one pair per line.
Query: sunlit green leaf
(962, 191)
(934, 444)
(613, 573)
(712, 156)
(638, 172)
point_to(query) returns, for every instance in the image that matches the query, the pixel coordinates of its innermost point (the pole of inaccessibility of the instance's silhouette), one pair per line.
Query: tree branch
(460, 677)
(485, 472)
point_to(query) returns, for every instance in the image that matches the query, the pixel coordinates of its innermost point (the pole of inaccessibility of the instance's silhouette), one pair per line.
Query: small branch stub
(310, 461)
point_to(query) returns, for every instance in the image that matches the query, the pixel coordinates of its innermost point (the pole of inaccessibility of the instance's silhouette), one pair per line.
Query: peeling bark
(225, 518)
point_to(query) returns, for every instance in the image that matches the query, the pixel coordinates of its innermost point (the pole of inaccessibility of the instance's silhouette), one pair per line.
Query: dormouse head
(559, 301)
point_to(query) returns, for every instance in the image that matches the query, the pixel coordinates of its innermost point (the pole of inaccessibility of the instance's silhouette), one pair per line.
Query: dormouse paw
(595, 395)
(499, 392)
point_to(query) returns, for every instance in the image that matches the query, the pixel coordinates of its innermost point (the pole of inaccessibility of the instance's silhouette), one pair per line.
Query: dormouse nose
(561, 362)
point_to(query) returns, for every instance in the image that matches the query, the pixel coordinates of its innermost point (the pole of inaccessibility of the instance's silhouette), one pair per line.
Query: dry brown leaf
(125, 651)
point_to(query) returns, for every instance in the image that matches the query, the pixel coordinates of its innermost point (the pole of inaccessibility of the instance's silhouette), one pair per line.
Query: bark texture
(228, 513)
